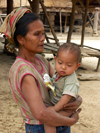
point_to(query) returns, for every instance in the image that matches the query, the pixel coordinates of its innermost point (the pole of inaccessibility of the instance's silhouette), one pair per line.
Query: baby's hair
(71, 47)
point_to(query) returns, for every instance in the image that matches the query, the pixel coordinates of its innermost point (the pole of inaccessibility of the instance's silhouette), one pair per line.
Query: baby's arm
(63, 100)
(59, 106)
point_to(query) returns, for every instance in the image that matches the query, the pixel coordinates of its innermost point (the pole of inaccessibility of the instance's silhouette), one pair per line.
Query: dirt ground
(89, 122)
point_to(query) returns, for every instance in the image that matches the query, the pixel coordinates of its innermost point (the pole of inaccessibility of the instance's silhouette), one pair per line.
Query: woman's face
(34, 39)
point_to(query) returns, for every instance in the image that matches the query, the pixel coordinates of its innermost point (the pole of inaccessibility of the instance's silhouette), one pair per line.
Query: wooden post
(34, 5)
(65, 23)
(9, 6)
(60, 22)
(84, 23)
(52, 30)
(95, 25)
(71, 21)
(20, 3)
(50, 19)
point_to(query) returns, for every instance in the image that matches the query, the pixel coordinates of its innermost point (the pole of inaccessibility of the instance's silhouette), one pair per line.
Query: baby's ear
(78, 65)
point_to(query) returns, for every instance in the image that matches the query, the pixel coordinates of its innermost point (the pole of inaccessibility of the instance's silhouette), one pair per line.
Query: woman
(25, 30)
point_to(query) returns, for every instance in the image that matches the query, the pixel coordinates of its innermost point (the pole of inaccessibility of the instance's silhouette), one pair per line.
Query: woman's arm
(38, 109)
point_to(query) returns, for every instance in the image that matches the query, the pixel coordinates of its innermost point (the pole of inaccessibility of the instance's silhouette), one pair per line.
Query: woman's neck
(27, 55)
(30, 57)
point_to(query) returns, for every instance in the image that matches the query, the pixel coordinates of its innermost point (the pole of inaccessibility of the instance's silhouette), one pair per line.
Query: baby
(66, 83)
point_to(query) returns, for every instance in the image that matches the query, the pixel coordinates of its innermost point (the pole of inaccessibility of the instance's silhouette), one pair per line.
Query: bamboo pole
(52, 30)
(71, 21)
(84, 23)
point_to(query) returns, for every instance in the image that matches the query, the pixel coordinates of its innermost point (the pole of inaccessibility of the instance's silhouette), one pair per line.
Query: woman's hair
(71, 47)
(22, 25)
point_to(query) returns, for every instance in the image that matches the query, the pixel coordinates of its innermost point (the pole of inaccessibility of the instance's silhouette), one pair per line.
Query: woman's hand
(75, 115)
(73, 106)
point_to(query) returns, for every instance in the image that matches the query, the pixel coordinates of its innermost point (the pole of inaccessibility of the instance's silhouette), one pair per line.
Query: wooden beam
(98, 1)
(9, 6)
(84, 23)
(34, 5)
(52, 30)
(90, 20)
(71, 21)
(81, 3)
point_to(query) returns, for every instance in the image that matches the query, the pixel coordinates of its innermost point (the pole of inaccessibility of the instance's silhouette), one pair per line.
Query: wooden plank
(50, 48)
(52, 38)
(88, 77)
(49, 51)
(90, 52)
(52, 45)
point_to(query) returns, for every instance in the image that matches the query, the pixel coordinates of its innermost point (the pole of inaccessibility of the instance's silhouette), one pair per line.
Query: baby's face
(66, 63)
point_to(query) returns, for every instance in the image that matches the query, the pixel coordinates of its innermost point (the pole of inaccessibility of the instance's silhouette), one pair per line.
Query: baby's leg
(49, 129)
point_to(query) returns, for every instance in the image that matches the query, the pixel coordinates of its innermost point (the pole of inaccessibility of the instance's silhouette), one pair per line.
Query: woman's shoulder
(42, 58)
(19, 64)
